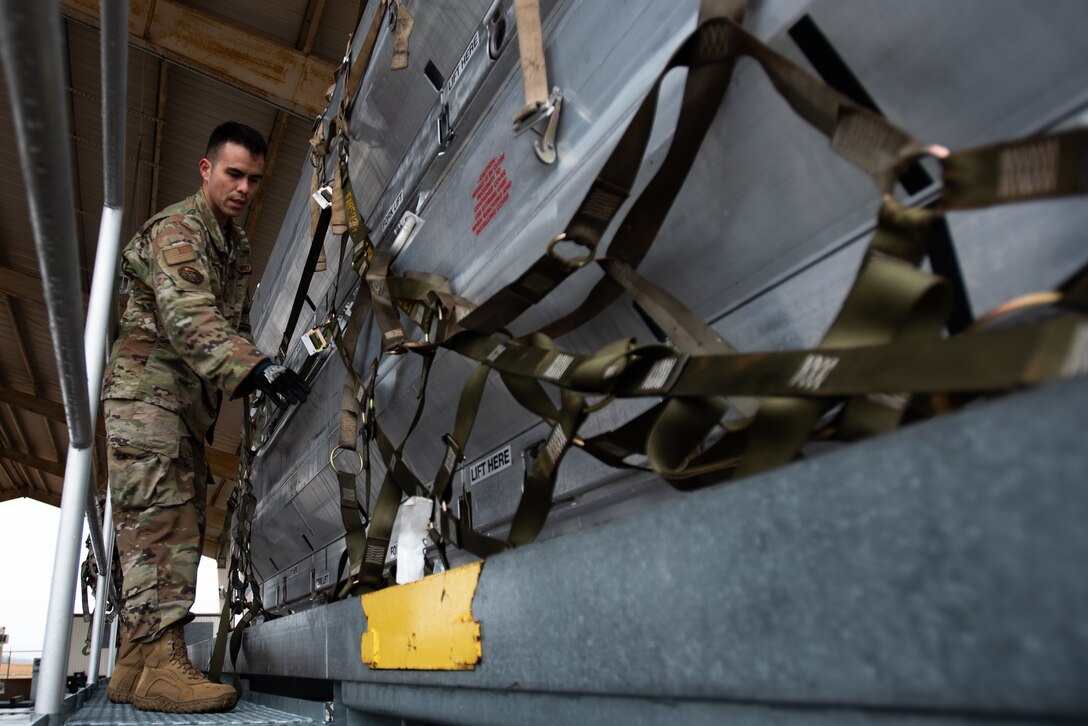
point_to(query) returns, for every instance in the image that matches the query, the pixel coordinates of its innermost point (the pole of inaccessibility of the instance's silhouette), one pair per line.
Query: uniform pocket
(143, 443)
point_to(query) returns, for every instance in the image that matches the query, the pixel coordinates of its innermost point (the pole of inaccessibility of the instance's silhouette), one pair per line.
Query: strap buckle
(332, 460)
(314, 341)
(574, 262)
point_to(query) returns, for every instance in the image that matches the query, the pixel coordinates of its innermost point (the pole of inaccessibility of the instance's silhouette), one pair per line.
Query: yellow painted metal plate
(424, 625)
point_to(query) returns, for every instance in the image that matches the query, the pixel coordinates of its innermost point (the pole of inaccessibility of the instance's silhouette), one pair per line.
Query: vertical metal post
(114, 61)
(30, 44)
(112, 660)
(33, 58)
(101, 598)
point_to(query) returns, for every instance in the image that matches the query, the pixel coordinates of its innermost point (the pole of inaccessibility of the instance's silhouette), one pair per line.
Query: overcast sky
(28, 543)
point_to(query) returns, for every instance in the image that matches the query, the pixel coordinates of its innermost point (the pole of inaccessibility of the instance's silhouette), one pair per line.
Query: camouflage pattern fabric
(158, 481)
(184, 334)
(184, 339)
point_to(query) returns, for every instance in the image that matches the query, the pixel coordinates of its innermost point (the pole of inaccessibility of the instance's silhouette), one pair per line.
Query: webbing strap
(362, 61)
(1032, 354)
(316, 246)
(534, 71)
(539, 483)
(1034, 168)
(352, 512)
(385, 314)
(890, 299)
(857, 135)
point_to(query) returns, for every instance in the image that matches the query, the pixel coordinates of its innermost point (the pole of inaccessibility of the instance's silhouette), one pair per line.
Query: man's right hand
(279, 383)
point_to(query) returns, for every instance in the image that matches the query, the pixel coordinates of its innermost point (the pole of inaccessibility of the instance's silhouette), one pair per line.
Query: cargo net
(718, 413)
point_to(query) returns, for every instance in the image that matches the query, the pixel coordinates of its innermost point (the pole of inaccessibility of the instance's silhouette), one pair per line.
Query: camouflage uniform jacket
(184, 333)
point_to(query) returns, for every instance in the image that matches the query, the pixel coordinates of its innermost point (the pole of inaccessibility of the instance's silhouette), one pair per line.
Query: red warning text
(491, 193)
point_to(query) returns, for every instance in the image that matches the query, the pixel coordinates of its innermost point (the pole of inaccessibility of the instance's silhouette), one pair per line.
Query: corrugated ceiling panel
(84, 83)
(337, 23)
(290, 163)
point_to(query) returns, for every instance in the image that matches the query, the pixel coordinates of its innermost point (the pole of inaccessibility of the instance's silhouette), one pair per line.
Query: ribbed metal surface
(765, 278)
(932, 575)
(99, 711)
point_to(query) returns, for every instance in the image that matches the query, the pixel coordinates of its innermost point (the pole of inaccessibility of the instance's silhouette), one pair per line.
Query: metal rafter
(308, 32)
(77, 177)
(270, 70)
(56, 468)
(28, 364)
(315, 10)
(275, 141)
(25, 287)
(160, 134)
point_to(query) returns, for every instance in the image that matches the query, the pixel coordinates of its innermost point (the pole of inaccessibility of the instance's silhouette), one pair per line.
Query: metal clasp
(546, 115)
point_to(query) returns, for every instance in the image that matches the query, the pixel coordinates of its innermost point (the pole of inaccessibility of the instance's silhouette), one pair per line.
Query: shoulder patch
(245, 269)
(177, 254)
(191, 274)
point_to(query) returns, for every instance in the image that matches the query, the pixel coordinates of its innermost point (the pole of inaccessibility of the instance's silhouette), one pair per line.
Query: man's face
(231, 180)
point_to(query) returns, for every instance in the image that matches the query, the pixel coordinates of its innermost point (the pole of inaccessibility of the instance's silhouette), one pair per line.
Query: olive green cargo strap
(1032, 354)
(352, 513)
(856, 134)
(885, 345)
(316, 246)
(598, 208)
(890, 299)
(240, 573)
(1033, 168)
(398, 480)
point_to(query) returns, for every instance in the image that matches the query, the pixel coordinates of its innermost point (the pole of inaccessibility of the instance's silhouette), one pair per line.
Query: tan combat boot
(126, 671)
(170, 683)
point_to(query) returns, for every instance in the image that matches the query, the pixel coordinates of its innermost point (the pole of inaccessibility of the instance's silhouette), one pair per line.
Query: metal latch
(546, 116)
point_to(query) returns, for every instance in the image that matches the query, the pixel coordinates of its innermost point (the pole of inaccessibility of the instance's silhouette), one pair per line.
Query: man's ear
(205, 169)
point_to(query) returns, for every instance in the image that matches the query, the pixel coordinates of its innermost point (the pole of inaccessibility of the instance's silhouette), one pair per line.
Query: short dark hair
(234, 132)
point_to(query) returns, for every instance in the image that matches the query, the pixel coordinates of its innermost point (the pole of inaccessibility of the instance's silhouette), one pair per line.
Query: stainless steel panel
(763, 240)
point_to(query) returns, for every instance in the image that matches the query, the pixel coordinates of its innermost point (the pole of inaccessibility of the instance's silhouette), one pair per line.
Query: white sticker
(463, 63)
(490, 465)
(392, 210)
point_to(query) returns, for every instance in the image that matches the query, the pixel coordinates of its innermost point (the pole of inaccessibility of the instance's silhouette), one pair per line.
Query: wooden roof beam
(25, 287)
(222, 463)
(56, 468)
(272, 71)
(44, 497)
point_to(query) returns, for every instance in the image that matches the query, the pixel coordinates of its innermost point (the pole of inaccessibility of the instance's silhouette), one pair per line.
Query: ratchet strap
(887, 347)
(534, 70)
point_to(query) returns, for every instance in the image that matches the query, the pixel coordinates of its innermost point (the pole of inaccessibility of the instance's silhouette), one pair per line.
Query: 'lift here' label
(490, 465)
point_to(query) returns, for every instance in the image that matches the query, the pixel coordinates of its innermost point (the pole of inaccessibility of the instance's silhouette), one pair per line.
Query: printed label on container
(490, 465)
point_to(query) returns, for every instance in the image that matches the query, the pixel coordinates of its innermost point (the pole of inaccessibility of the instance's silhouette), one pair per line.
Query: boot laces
(180, 658)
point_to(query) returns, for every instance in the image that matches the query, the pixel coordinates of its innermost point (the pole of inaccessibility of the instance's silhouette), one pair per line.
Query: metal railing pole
(101, 599)
(114, 62)
(111, 661)
(30, 45)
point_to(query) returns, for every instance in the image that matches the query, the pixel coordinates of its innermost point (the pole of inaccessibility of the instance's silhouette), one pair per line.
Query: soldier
(183, 342)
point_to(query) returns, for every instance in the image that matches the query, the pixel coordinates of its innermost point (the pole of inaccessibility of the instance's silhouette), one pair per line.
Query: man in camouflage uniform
(183, 342)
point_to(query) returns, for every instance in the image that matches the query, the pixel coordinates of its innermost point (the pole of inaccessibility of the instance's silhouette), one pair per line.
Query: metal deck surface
(99, 711)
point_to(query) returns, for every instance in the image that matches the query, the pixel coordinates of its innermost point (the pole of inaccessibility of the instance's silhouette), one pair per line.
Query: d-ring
(332, 460)
(576, 262)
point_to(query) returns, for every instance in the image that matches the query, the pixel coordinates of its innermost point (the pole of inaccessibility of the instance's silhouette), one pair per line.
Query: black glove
(281, 384)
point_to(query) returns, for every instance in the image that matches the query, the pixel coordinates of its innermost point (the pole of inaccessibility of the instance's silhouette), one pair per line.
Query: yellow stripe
(424, 625)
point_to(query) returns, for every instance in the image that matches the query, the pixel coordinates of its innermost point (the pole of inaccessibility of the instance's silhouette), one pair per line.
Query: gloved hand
(281, 384)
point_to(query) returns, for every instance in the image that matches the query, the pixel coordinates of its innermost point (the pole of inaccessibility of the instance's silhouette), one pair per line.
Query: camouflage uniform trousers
(158, 481)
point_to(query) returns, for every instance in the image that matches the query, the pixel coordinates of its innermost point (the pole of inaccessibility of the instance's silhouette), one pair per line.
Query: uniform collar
(212, 225)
